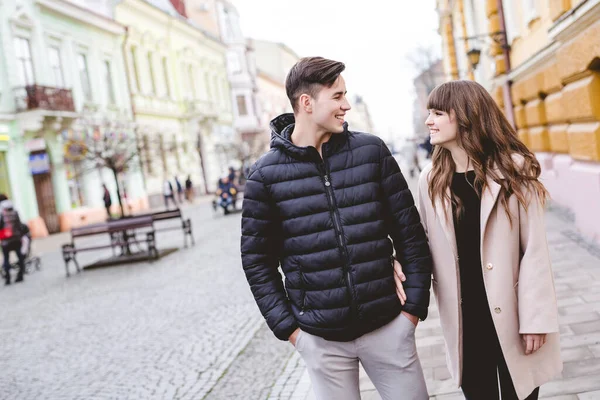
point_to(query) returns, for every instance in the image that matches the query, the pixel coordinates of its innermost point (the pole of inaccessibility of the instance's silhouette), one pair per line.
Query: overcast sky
(372, 37)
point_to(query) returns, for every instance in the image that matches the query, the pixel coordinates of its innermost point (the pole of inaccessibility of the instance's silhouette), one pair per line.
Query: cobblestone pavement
(166, 329)
(186, 327)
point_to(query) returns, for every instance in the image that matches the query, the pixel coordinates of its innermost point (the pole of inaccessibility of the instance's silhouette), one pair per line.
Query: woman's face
(443, 128)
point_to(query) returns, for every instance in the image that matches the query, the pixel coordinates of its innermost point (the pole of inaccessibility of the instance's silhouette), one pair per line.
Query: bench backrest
(130, 223)
(162, 215)
(88, 230)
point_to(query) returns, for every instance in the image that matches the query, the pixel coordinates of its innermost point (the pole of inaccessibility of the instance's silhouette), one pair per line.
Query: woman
(482, 206)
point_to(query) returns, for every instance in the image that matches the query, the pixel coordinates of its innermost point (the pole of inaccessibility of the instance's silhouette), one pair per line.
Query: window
(229, 28)
(530, 10)
(56, 67)
(151, 72)
(208, 89)
(511, 19)
(217, 91)
(191, 82)
(84, 76)
(110, 89)
(148, 158)
(241, 105)
(24, 62)
(163, 153)
(233, 61)
(165, 70)
(136, 74)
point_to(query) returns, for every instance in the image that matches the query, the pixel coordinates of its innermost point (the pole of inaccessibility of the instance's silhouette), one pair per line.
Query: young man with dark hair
(323, 204)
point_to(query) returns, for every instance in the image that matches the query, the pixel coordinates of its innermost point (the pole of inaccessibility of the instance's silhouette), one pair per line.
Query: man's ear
(305, 102)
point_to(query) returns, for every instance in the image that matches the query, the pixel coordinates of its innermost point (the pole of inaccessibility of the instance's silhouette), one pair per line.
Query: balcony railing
(37, 97)
(201, 108)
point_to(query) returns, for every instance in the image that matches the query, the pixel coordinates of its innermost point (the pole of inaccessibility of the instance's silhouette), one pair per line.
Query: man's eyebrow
(340, 92)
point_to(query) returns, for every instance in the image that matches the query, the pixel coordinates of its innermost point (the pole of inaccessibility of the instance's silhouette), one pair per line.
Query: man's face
(330, 106)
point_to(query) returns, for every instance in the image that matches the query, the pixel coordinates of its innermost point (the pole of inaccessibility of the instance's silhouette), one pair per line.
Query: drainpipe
(132, 105)
(508, 101)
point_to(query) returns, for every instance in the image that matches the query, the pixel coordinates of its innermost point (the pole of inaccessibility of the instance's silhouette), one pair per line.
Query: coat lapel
(488, 200)
(444, 215)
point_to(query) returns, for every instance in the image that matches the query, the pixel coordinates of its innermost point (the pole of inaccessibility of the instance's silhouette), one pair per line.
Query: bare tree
(426, 63)
(105, 144)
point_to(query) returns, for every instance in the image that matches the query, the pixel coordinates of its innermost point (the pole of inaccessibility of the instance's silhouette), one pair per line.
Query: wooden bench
(186, 224)
(122, 233)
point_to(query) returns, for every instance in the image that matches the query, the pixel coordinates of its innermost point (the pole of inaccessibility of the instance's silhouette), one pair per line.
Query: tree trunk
(202, 165)
(116, 175)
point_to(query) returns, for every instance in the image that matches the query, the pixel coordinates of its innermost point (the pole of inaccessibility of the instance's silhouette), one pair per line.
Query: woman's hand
(399, 277)
(533, 342)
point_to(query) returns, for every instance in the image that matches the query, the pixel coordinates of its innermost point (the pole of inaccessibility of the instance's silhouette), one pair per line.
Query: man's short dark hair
(308, 76)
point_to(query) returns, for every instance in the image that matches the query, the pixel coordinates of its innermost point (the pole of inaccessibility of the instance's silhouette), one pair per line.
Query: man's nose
(346, 105)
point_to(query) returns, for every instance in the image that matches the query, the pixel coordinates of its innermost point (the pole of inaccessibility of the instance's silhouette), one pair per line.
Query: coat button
(498, 310)
(489, 266)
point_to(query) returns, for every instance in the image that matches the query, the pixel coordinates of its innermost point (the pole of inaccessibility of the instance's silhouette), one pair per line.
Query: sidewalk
(576, 265)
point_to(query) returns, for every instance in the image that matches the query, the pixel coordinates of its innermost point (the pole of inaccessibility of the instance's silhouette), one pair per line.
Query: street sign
(39, 163)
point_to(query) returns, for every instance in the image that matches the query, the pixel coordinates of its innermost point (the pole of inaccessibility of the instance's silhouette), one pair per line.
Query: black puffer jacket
(326, 221)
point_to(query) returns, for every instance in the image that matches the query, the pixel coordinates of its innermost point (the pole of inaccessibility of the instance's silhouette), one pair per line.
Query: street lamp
(474, 55)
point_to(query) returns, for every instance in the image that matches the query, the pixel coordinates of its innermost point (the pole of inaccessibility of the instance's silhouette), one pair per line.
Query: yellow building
(554, 74)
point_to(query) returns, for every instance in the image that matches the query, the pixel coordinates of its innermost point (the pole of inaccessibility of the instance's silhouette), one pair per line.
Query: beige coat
(518, 280)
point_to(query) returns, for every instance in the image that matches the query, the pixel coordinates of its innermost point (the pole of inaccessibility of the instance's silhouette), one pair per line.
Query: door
(45, 198)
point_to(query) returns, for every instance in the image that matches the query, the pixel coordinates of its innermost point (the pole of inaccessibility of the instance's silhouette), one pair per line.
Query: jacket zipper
(303, 292)
(340, 238)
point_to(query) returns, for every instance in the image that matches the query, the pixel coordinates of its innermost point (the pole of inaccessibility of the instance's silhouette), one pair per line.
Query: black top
(478, 325)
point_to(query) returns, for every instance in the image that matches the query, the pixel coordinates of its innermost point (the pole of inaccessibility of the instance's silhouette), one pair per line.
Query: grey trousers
(388, 354)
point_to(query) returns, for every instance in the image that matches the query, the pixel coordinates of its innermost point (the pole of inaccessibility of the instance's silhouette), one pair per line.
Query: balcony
(37, 97)
(201, 108)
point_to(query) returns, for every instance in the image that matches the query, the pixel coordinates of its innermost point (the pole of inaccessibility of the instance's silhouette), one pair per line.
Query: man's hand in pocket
(294, 337)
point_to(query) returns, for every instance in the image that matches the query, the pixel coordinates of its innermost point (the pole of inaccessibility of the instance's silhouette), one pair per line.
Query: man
(11, 227)
(322, 203)
(226, 194)
(168, 193)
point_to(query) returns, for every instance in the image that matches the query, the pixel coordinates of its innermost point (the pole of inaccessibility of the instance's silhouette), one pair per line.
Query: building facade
(424, 83)
(180, 93)
(49, 52)
(222, 18)
(553, 71)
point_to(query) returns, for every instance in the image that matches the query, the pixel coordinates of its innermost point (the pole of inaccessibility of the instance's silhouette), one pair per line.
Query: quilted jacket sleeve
(260, 258)
(408, 235)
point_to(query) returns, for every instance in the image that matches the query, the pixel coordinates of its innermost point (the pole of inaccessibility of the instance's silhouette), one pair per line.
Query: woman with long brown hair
(482, 205)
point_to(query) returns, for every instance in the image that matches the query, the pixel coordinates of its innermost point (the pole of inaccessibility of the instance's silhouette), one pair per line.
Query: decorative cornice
(575, 21)
(84, 15)
(533, 63)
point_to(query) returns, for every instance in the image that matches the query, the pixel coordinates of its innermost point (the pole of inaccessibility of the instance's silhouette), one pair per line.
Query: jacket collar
(282, 128)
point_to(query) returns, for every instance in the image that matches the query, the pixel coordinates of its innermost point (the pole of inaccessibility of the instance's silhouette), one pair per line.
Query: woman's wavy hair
(490, 142)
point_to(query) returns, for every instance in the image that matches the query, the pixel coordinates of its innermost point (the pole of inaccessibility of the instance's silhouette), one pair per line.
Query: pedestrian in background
(189, 189)
(481, 202)
(168, 193)
(107, 200)
(322, 204)
(179, 190)
(10, 235)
